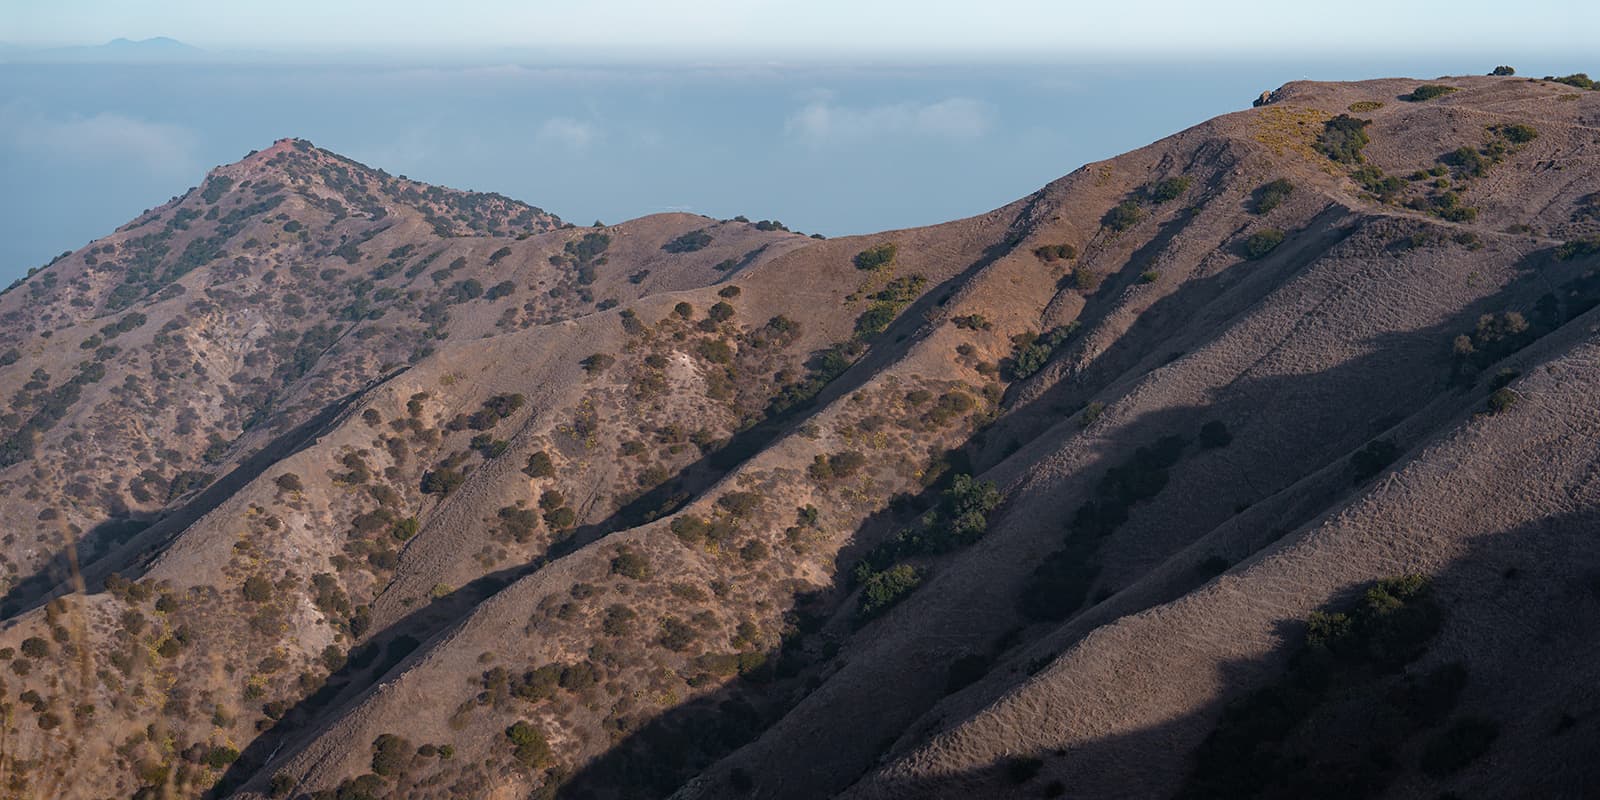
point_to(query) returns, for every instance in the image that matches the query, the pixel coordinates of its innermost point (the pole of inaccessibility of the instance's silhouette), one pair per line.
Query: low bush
(1501, 400)
(689, 242)
(1123, 216)
(1503, 71)
(1169, 189)
(876, 257)
(882, 590)
(1271, 195)
(1262, 242)
(1343, 138)
(1427, 91)
(1055, 252)
(529, 746)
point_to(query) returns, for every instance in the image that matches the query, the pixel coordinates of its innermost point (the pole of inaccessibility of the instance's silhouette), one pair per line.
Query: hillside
(1254, 462)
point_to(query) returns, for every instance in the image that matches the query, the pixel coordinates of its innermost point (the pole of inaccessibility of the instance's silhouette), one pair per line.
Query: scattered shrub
(1030, 352)
(1343, 138)
(598, 363)
(529, 747)
(1578, 248)
(1501, 400)
(876, 256)
(539, 465)
(1502, 71)
(1262, 242)
(1271, 195)
(1123, 216)
(630, 563)
(884, 589)
(1578, 79)
(1055, 252)
(1427, 91)
(689, 242)
(1169, 189)
(257, 589)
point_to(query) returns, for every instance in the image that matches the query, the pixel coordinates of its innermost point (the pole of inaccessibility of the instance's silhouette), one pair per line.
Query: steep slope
(1017, 503)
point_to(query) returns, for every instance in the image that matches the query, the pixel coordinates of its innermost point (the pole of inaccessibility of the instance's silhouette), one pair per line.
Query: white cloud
(822, 121)
(568, 132)
(106, 137)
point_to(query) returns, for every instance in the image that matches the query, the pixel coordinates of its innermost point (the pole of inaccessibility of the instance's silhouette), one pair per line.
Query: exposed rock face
(378, 489)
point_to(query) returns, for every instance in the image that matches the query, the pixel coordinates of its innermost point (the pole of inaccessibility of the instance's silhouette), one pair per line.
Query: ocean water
(834, 149)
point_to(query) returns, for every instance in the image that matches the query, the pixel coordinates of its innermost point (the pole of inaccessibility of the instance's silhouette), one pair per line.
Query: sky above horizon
(1063, 29)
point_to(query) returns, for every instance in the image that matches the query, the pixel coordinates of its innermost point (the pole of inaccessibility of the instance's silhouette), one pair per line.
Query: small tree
(529, 746)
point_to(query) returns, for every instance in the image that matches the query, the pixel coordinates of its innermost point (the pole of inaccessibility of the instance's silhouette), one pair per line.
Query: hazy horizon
(837, 148)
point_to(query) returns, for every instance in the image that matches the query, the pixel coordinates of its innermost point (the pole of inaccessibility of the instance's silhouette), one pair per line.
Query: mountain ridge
(1024, 451)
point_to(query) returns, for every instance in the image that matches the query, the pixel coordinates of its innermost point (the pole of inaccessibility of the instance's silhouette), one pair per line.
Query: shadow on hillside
(422, 627)
(116, 545)
(1535, 587)
(647, 760)
(1186, 309)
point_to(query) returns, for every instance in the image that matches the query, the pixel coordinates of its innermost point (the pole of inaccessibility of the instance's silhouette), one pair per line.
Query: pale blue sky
(1031, 29)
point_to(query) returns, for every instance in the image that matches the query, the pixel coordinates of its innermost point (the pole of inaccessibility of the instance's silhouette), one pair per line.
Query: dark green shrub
(390, 755)
(257, 589)
(876, 256)
(676, 635)
(1518, 133)
(884, 589)
(221, 756)
(1578, 79)
(539, 465)
(683, 310)
(35, 647)
(1169, 189)
(1031, 352)
(1271, 195)
(1055, 252)
(754, 550)
(1578, 248)
(1343, 138)
(618, 620)
(689, 242)
(1501, 400)
(598, 363)
(740, 504)
(1123, 216)
(630, 563)
(442, 481)
(529, 747)
(721, 312)
(1503, 70)
(1262, 242)
(1427, 91)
